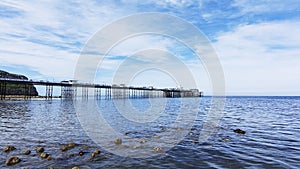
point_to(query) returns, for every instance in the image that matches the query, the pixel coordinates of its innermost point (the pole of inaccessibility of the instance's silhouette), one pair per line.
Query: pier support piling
(49, 91)
(2, 90)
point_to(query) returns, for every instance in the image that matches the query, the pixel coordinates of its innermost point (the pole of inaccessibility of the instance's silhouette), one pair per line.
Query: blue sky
(257, 41)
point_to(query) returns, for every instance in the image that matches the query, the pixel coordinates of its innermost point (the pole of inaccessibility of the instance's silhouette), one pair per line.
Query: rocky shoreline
(21, 97)
(17, 89)
(41, 152)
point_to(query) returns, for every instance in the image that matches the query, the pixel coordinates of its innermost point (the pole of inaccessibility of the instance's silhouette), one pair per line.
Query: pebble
(93, 155)
(71, 145)
(12, 161)
(68, 146)
(40, 149)
(44, 155)
(118, 141)
(143, 141)
(157, 149)
(81, 153)
(27, 152)
(239, 131)
(64, 148)
(8, 148)
(49, 158)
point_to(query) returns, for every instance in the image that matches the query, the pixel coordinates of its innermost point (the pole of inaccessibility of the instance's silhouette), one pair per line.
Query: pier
(73, 89)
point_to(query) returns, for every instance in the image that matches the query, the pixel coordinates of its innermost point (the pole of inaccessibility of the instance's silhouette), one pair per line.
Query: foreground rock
(96, 152)
(27, 152)
(81, 153)
(158, 149)
(239, 131)
(49, 158)
(8, 148)
(44, 155)
(68, 146)
(64, 148)
(40, 149)
(12, 161)
(93, 155)
(72, 145)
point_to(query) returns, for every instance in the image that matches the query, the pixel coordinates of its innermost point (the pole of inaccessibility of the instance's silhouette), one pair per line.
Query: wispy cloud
(261, 57)
(48, 36)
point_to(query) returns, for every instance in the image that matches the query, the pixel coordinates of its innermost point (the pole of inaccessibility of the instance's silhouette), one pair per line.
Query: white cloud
(262, 58)
(134, 44)
(47, 60)
(206, 16)
(47, 36)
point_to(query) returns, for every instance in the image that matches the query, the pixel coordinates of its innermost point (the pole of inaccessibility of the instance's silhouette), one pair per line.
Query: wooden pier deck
(72, 89)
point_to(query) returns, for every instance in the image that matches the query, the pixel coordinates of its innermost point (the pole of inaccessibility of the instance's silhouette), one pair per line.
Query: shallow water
(272, 138)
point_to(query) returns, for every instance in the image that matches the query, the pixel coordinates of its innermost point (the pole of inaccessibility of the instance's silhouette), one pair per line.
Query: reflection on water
(272, 136)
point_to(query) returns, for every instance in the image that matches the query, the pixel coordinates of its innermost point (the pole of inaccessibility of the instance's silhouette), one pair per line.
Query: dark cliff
(18, 89)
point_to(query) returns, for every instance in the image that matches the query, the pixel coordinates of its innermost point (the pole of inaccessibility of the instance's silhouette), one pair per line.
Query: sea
(153, 132)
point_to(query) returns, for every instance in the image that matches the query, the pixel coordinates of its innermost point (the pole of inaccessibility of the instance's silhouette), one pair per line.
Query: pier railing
(75, 89)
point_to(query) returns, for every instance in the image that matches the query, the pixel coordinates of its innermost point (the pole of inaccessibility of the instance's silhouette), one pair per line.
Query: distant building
(195, 92)
(190, 93)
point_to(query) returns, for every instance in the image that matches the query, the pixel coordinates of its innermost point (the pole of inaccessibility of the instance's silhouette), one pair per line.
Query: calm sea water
(272, 138)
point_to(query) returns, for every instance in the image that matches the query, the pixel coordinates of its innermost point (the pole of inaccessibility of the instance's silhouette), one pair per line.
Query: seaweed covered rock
(27, 152)
(8, 148)
(49, 158)
(239, 131)
(68, 146)
(12, 161)
(40, 149)
(44, 155)
(97, 152)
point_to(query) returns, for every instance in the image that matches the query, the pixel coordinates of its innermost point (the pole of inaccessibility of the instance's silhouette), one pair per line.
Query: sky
(257, 42)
